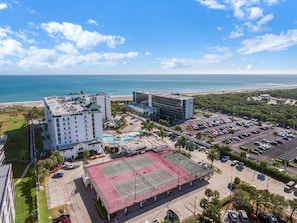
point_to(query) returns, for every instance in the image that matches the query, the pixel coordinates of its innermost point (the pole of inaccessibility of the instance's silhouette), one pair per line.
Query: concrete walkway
(23, 174)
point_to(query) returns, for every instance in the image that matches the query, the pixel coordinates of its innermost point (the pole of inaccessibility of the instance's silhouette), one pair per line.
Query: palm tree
(162, 133)
(203, 204)
(232, 131)
(212, 155)
(278, 203)
(209, 193)
(190, 145)
(293, 205)
(275, 135)
(183, 141)
(199, 135)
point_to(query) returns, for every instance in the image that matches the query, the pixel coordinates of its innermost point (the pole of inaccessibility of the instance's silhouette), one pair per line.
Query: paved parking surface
(286, 149)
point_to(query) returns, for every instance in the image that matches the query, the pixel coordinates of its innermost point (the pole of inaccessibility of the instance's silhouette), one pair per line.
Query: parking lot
(237, 132)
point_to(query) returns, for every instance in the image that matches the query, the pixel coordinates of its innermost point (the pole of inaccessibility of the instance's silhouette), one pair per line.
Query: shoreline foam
(130, 97)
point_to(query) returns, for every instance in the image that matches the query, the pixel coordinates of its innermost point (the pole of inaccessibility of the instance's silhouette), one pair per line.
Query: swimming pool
(114, 139)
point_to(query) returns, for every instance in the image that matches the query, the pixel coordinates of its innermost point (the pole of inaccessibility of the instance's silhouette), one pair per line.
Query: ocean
(19, 88)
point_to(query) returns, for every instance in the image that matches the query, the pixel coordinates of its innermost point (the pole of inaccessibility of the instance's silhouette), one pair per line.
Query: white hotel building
(7, 195)
(74, 122)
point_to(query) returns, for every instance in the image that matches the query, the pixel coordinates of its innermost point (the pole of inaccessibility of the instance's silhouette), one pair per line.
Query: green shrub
(244, 148)
(101, 210)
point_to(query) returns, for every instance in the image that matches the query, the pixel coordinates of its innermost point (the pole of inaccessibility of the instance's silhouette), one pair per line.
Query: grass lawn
(47, 215)
(25, 199)
(44, 214)
(14, 124)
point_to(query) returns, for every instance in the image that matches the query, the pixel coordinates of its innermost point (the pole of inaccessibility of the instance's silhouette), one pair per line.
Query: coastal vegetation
(280, 111)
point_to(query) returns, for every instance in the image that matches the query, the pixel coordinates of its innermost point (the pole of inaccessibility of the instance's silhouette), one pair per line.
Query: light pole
(231, 186)
(135, 187)
(267, 183)
(195, 206)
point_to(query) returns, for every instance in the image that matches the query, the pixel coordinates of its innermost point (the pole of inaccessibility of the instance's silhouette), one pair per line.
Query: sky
(148, 37)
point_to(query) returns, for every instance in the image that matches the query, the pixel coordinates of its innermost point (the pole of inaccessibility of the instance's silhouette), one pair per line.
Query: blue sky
(148, 37)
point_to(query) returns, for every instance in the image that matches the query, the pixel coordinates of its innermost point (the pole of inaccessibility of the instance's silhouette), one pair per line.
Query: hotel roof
(63, 105)
(60, 105)
(174, 95)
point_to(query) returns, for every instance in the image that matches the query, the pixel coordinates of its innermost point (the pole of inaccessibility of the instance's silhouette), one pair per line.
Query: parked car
(274, 143)
(257, 143)
(263, 218)
(233, 217)
(279, 141)
(289, 187)
(272, 218)
(243, 216)
(261, 176)
(232, 186)
(234, 162)
(171, 216)
(225, 158)
(65, 218)
(58, 175)
(281, 219)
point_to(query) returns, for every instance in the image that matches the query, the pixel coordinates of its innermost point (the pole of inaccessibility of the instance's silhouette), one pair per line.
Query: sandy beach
(40, 103)
(130, 97)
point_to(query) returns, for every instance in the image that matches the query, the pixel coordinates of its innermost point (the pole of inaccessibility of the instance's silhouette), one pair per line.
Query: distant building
(74, 122)
(166, 105)
(264, 96)
(7, 195)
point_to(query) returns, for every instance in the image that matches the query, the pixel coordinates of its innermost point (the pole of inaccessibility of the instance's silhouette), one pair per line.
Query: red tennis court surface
(123, 182)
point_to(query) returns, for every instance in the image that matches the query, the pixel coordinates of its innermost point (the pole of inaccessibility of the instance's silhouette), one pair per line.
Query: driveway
(70, 190)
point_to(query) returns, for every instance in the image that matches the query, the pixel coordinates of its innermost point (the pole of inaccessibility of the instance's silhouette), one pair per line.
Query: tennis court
(123, 182)
(123, 166)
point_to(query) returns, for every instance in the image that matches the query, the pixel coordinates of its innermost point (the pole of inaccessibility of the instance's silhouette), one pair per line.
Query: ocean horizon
(23, 88)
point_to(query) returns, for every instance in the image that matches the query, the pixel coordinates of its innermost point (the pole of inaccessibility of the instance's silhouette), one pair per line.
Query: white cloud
(222, 54)
(269, 42)
(249, 67)
(219, 28)
(67, 48)
(10, 47)
(92, 21)
(250, 12)
(255, 27)
(255, 13)
(271, 2)
(51, 58)
(82, 38)
(238, 12)
(238, 32)
(147, 53)
(213, 4)
(3, 6)
(4, 32)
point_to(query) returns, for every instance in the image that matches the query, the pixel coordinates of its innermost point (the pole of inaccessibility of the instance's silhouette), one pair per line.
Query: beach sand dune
(40, 103)
(130, 97)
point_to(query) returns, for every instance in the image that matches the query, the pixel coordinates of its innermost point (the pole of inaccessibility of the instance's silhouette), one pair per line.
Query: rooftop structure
(7, 195)
(3, 139)
(123, 182)
(74, 122)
